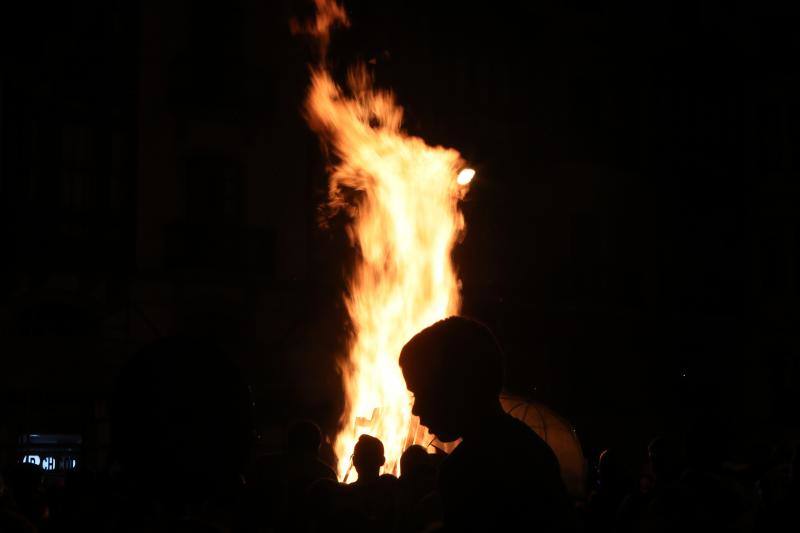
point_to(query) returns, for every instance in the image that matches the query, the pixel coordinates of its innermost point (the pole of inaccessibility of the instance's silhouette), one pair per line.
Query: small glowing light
(32, 459)
(49, 463)
(465, 176)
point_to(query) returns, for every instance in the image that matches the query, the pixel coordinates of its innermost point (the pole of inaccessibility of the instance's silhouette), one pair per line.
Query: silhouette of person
(502, 476)
(181, 431)
(303, 444)
(417, 481)
(601, 511)
(716, 500)
(667, 458)
(667, 501)
(417, 474)
(372, 496)
(324, 504)
(785, 509)
(368, 459)
(279, 482)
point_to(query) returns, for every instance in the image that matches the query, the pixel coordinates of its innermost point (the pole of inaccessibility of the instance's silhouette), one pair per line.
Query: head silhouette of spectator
(666, 458)
(304, 438)
(417, 474)
(454, 368)
(414, 461)
(605, 465)
(600, 513)
(181, 420)
(368, 458)
(610, 473)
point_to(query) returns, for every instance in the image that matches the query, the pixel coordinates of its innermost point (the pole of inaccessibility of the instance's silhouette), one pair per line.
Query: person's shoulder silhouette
(417, 473)
(303, 444)
(502, 475)
(609, 491)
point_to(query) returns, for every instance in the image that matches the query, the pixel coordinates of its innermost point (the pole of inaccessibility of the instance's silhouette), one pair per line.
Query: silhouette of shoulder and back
(302, 459)
(279, 482)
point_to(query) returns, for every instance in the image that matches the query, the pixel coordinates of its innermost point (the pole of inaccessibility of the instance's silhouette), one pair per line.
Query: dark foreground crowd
(182, 435)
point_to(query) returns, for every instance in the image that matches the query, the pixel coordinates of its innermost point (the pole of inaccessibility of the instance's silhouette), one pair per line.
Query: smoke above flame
(404, 224)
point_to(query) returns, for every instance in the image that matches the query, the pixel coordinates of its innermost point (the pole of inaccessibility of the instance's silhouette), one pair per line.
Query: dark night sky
(632, 231)
(632, 221)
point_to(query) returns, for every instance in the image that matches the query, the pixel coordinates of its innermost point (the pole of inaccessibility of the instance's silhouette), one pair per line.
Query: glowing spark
(465, 176)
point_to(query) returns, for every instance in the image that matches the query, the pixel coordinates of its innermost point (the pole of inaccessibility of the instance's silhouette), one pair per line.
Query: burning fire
(404, 223)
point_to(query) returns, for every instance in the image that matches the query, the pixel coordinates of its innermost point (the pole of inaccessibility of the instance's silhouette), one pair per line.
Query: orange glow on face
(404, 224)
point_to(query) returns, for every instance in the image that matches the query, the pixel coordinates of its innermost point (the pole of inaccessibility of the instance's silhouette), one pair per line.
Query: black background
(632, 234)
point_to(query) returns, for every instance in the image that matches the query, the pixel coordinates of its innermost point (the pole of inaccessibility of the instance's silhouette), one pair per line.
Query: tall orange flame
(405, 222)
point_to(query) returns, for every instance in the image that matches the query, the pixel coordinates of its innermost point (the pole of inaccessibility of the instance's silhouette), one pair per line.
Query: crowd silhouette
(183, 462)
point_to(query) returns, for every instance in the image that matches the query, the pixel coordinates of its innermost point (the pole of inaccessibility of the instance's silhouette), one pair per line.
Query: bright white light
(32, 459)
(465, 176)
(49, 463)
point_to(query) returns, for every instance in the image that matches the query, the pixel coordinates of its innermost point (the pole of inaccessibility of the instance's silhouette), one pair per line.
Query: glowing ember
(465, 176)
(405, 222)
